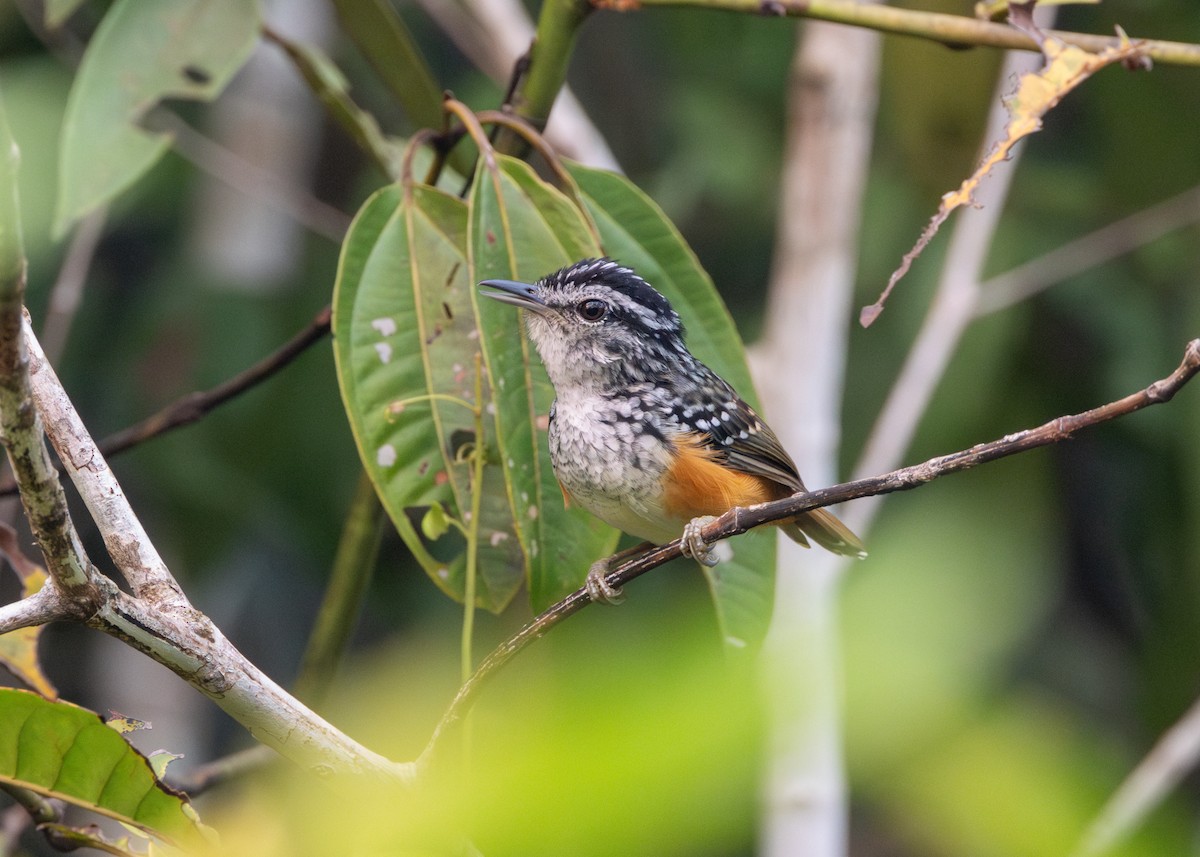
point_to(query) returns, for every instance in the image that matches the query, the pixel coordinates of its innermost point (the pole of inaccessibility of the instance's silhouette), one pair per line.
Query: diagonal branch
(1172, 757)
(738, 520)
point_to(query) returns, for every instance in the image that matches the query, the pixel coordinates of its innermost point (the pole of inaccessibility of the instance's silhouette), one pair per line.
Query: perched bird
(642, 434)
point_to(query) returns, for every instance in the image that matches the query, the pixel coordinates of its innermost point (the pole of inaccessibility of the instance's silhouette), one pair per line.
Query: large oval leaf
(62, 751)
(141, 54)
(522, 228)
(404, 337)
(637, 233)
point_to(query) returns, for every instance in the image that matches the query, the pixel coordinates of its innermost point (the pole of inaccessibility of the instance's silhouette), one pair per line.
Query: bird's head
(596, 323)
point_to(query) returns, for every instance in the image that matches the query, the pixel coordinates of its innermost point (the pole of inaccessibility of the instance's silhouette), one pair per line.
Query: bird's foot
(693, 544)
(599, 589)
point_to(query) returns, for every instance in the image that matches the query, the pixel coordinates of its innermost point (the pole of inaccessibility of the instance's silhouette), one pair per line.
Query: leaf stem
(353, 565)
(326, 82)
(478, 455)
(400, 404)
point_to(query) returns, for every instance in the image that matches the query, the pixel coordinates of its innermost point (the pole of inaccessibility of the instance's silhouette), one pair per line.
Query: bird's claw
(693, 544)
(599, 589)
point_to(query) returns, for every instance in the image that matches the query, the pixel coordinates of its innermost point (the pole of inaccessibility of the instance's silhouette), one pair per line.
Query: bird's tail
(826, 530)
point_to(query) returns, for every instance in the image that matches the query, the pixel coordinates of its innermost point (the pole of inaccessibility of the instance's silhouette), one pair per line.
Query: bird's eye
(592, 309)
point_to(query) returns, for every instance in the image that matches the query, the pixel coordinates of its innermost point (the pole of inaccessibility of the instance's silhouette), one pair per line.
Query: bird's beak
(522, 295)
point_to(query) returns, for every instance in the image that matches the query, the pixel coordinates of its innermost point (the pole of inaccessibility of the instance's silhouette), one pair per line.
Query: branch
(831, 107)
(162, 623)
(953, 30)
(193, 406)
(738, 520)
(494, 34)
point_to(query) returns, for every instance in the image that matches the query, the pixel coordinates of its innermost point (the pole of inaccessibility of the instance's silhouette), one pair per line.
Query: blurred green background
(1021, 633)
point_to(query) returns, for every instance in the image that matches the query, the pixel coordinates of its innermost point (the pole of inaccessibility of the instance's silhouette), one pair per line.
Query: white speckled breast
(611, 465)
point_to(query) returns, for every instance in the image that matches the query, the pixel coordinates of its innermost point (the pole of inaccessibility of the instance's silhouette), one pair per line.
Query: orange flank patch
(566, 496)
(699, 484)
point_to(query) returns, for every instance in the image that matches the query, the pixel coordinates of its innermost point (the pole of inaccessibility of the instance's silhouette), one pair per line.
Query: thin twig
(953, 30)
(188, 409)
(223, 769)
(193, 406)
(738, 520)
(1089, 251)
(67, 293)
(1169, 760)
(236, 172)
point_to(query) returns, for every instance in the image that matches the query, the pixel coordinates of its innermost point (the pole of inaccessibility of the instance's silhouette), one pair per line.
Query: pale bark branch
(159, 621)
(831, 120)
(128, 544)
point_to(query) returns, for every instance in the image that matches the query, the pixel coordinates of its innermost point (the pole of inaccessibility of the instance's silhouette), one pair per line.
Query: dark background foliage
(1039, 611)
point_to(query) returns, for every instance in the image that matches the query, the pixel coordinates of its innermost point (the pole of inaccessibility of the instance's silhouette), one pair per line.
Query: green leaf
(383, 39)
(62, 751)
(406, 345)
(635, 231)
(142, 53)
(435, 524)
(522, 228)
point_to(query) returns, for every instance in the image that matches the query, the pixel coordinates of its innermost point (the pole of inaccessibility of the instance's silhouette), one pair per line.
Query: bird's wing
(714, 410)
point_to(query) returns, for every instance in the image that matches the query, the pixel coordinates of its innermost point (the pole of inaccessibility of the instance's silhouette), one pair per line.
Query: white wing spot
(385, 326)
(385, 456)
(384, 351)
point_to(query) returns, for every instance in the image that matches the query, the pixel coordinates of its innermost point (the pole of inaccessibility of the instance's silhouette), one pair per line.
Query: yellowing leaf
(1037, 93)
(122, 724)
(18, 649)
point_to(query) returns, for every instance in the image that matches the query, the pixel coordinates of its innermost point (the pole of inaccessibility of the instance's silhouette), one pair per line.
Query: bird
(642, 434)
